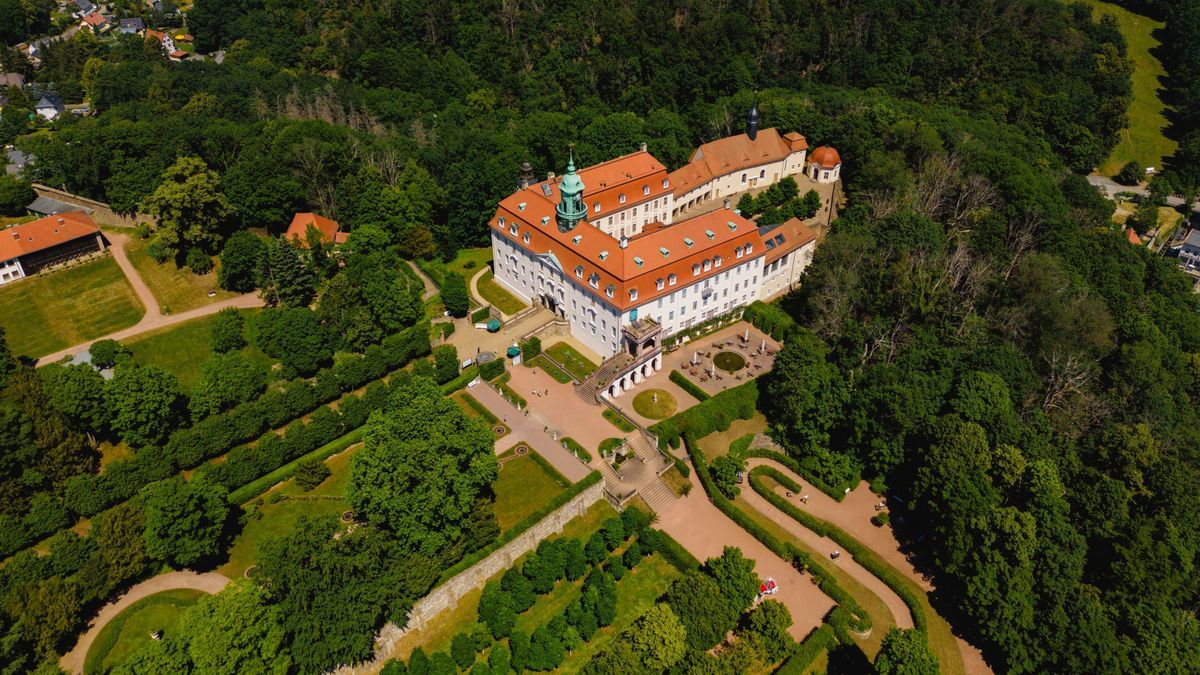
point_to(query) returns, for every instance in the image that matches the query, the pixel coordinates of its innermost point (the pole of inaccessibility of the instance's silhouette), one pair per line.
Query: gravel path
(154, 318)
(430, 289)
(210, 582)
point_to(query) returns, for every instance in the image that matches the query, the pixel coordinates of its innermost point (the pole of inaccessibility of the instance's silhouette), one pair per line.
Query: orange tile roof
(157, 35)
(44, 233)
(641, 262)
(95, 20)
(298, 230)
(795, 141)
(825, 157)
(1132, 236)
(688, 177)
(795, 234)
(733, 153)
(628, 175)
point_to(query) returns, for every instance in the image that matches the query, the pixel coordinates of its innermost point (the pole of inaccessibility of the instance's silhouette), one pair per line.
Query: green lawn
(618, 421)
(577, 364)
(474, 408)
(46, 313)
(540, 361)
(130, 630)
(176, 288)
(183, 348)
(654, 404)
(1143, 142)
(467, 262)
(522, 488)
(498, 297)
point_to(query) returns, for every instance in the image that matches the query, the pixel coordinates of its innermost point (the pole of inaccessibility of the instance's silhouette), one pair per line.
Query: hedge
(492, 369)
(714, 414)
(264, 483)
(862, 555)
(516, 530)
(573, 446)
(687, 385)
(770, 319)
(481, 314)
(474, 404)
(807, 651)
(674, 553)
(835, 493)
(856, 617)
(549, 468)
(88, 495)
(464, 378)
(618, 420)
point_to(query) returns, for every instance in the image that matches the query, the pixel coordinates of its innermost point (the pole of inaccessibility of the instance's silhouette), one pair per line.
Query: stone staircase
(658, 496)
(644, 450)
(590, 389)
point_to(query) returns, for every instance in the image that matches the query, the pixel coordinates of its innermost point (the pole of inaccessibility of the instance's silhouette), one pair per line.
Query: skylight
(576, 239)
(663, 250)
(521, 206)
(689, 242)
(546, 189)
(603, 255)
(638, 261)
(710, 234)
(732, 225)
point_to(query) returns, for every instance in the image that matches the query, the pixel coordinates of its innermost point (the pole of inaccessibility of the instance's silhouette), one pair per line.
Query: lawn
(499, 298)
(717, 443)
(577, 364)
(618, 421)
(1143, 141)
(176, 288)
(43, 314)
(130, 630)
(654, 404)
(183, 348)
(540, 361)
(467, 262)
(474, 408)
(522, 488)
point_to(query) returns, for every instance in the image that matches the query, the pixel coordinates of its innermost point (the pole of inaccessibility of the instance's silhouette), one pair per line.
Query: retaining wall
(446, 596)
(102, 212)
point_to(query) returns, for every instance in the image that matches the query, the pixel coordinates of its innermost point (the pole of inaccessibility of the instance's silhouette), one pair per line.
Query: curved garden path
(431, 289)
(210, 583)
(153, 318)
(853, 515)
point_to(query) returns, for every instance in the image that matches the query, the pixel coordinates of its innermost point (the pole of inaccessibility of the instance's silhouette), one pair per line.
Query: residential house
(49, 106)
(14, 161)
(1189, 253)
(83, 8)
(329, 229)
(134, 26)
(96, 22)
(32, 246)
(11, 80)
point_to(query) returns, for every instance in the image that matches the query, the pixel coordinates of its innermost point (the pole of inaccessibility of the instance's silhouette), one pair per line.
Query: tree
(1130, 174)
(242, 261)
(454, 295)
(418, 662)
(735, 576)
(228, 331)
(423, 464)
(44, 612)
(15, 194)
(7, 362)
(804, 392)
(905, 652)
(703, 609)
(146, 403)
(462, 650)
(286, 279)
(121, 544)
(77, 391)
(184, 520)
(531, 348)
(225, 381)
(499, 659)
(658, 638)
(189, 205)
(295, 337)
(311, 473)
(770, 621)
(725, 471)
(234, 631)
(497, 610)
(445, 363)
(106, 353)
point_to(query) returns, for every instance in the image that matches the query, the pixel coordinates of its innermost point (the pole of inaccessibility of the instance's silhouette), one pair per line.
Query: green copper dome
(570, 210)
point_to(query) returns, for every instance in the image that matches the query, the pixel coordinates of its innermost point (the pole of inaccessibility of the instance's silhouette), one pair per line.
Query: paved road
(702, 529)
(153, 318)
(1111, 188)
(529, 430)
(211, 582)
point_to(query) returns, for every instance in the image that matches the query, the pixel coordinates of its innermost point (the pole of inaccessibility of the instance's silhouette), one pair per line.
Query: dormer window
(596, 207)
(738, 251)
(632, 294)
(658, 283)
(621, 198)
(545, 220)
(688, 242)
(501, 221)
(749, 249)
(717, 261)
(664, 251)
(594, 280)
(609, 290)
(645, 189)
(707, 264)
(672, 279)
(665, 183)
(525, 238)
(603, 255)
(579, 271)
(696, 269)
(638, 261)
(521, 206)
(576, 239)
(710, 234)
(512, 229)
(732, 225)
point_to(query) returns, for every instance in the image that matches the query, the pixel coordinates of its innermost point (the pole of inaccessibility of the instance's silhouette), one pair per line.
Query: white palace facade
(612, 249)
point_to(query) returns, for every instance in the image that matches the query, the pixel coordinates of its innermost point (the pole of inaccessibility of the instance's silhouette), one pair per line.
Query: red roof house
(329, 229)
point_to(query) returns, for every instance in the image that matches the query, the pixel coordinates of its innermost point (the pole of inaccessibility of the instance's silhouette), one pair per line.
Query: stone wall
(102, 212)
(446, 596)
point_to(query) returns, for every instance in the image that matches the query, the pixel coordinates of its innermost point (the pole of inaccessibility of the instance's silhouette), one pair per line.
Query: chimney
(549, 175)
(726, 203)
(642, 146)
(624, 242)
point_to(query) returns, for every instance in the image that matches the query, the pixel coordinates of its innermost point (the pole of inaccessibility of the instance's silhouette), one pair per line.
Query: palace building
(614, 249)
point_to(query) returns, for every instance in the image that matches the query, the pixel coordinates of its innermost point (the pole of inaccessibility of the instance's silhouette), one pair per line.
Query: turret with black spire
(752, 120)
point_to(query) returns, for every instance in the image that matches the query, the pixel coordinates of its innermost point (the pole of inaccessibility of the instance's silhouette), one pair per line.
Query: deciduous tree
(189, 205)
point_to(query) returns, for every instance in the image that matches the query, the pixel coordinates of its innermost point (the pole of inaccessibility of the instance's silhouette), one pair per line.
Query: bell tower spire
(752, 120)
(570, 210)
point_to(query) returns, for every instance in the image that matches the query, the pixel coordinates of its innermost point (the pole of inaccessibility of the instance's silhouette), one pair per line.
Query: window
(645, 189)
(717, 261)
(743, 178)
(664, 183)
(525, 238)
(658, 283)
(762, 173)
(738, 251)
(512, 229)
(825, 175)
(596, 207)
(749, 249)
(695, 270)
(671, 315)
(621, 198)
(632, 294)
(688, 242)
(707, 264)
(579, 271)
(609, 290)
(671, 279)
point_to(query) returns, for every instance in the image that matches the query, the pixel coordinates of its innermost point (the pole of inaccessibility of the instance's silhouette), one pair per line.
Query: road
(1111, 188)
(153, 319)
(211, 583)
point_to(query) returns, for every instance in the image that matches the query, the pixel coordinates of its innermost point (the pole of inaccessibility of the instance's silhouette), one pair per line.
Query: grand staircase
(658, 496)
(590, 389)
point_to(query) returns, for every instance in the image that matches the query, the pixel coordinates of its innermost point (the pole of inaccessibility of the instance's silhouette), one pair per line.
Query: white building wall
(11, 270)
(630, 220)
(784, 274)
(757, 177)
(689, 305)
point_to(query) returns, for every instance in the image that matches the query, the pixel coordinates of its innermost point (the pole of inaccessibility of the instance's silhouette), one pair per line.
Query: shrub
(106, 352)
(714, 414)
(880, 519)
(311, 473)
(492, 369)
(157, 252)
(769, 318)
(724, 474)
(198, 261)
(455, 296)
(531, 348)
(480, 315)
(228, 331)
(1130, 174)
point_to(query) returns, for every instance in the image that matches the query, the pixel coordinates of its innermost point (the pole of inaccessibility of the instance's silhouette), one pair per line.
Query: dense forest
(972, 336)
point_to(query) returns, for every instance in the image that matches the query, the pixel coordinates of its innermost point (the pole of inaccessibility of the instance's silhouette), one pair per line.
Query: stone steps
(658, 496)
(590, 389)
